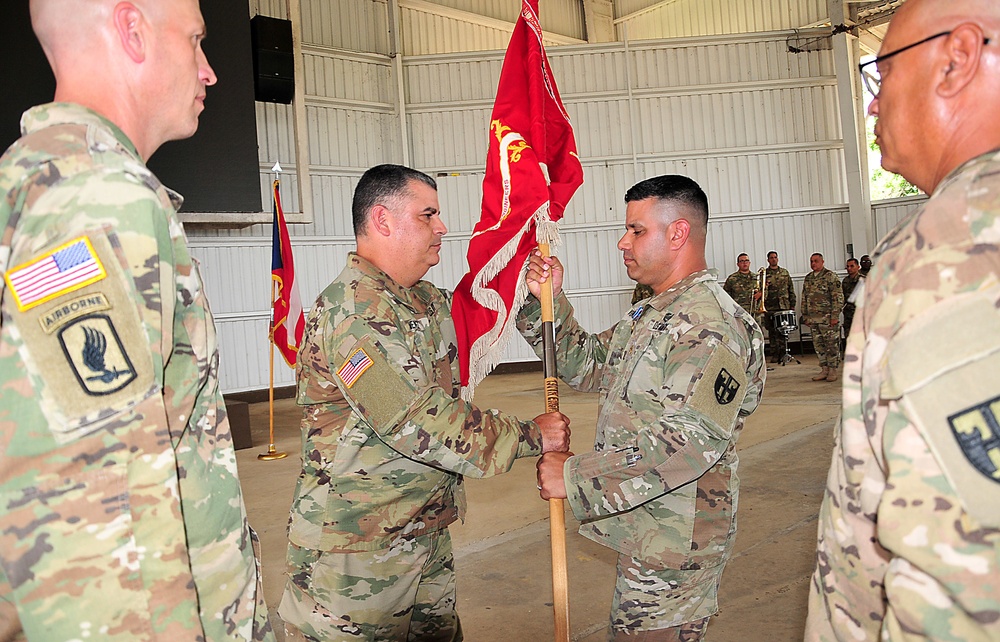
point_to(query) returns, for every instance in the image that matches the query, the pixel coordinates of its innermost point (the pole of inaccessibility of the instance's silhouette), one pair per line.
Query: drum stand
(787, 357)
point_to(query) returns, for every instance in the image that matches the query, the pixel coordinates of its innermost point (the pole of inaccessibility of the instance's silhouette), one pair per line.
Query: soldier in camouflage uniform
(848, 285)
(866, 265)
(909, 532)
(780, 296)
(822, 301)
(386, 439)
(121, 517)
(742, 285)
(677, 376)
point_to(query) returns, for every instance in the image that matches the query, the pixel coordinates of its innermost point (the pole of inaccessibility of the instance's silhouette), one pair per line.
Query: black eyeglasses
(873, 82)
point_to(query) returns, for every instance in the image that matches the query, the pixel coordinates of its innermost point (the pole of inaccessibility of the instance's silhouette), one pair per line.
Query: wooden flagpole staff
(271, 452)
(557, 514)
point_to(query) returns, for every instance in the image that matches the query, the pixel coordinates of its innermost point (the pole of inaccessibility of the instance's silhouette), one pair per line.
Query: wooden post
(557, 514)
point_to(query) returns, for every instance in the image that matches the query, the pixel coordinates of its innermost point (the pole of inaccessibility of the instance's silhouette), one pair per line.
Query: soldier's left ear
(963, 48)
(129, 22)
(680, 231)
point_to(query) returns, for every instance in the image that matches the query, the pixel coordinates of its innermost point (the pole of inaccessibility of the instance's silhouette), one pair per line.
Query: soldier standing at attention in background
(386, 438)
(677, 377)
(909, 529)
(741, 284)
(850, 282)
(822, 301)
(866, 265)
(780, 296)
(121, 516)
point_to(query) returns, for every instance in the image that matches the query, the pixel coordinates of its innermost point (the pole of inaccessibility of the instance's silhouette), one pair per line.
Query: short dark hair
(816, 254)
(854, 261)
(741, 255)
(379, 184)
(671, 187)
(772, 252)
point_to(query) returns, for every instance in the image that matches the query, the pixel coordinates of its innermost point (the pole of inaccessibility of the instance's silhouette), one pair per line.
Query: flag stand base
(271, 454)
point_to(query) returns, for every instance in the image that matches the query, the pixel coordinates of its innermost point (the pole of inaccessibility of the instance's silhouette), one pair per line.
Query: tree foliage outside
(884, 185)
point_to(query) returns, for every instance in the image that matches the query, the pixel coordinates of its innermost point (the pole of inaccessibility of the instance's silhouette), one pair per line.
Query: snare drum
(784, 321)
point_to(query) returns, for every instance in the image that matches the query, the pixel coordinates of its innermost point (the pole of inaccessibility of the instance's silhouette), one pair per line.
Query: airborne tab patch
(354, 367)
(96, 354)
(67, 268)
(977, 430)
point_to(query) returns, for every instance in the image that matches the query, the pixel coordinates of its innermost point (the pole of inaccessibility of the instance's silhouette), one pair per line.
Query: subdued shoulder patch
(376, 388)
(720, 392)
(96, 355)
(87, 347)
(977, 430)
(946, 383)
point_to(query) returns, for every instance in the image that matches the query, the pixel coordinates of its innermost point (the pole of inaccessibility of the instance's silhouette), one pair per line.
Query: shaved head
(139, 63)
(942, 15)
(935, 108)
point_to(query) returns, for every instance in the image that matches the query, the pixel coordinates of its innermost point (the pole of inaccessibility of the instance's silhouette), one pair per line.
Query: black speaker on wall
(273, 64)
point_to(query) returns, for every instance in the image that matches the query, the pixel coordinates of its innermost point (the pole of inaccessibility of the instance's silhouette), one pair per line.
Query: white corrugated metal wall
(683, 18)
(755, 125)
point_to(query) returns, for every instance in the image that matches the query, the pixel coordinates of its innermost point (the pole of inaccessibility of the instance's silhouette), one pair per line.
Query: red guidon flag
(532, 170)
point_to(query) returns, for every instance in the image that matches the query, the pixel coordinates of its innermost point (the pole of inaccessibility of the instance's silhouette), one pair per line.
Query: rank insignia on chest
(726, 387)
(354, 367)
(96, 355)
(65, 269)
(977, 431)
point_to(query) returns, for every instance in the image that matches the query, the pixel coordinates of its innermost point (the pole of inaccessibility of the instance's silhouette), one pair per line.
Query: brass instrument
(760, 286)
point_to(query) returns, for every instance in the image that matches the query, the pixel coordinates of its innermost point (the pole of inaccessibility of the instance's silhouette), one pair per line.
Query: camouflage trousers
(664, 605)
(404, 593)
(826, 341)
(849, 318)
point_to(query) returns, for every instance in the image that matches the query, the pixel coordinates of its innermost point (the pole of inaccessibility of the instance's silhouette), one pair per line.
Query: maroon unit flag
(532, 171)
(287, 319)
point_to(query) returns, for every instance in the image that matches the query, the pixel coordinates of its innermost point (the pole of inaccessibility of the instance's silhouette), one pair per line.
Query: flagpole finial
(277, 167)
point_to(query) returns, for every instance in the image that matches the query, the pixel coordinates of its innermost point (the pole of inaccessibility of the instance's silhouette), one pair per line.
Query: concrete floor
(502, 551)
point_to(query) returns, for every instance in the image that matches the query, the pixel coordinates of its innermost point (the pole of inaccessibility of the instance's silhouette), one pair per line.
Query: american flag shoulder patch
(65, 269)
(354, 367)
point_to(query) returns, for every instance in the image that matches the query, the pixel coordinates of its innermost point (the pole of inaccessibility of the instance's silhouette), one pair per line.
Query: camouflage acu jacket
(385, 437)
(121, 516)
(848, 285)
(780, 291)
(909, 529)
(822, 298)
(677, 377)
(740, 287)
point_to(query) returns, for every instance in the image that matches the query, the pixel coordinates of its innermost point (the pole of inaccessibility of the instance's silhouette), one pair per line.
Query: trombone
(759, 286)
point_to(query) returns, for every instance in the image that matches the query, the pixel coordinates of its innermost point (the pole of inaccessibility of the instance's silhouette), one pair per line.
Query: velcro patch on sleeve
(720, 392)
(946, 383)
(84, 342)
(378, 390)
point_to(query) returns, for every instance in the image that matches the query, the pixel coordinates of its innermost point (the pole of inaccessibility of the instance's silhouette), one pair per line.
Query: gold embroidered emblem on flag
(65, 269)
(354, 367)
